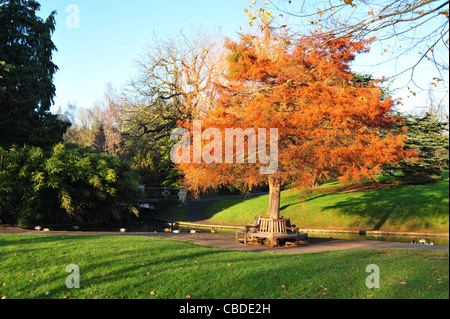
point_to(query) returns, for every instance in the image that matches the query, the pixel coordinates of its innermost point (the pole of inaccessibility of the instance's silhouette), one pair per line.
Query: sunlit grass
(144, 267)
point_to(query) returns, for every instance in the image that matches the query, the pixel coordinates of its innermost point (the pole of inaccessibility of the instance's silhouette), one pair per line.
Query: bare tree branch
(420, 24)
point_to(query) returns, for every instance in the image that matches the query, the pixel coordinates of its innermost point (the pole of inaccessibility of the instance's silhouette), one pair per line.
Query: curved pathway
(227, 241)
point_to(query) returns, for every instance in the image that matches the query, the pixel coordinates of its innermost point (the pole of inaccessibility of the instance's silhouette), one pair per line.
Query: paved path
(227, 241)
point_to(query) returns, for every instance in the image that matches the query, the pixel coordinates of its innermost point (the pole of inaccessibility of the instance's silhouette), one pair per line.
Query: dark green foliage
(26, 76)
(362, 79)
(150, 158)
(63, 185)
(367, 79)
(429, 137)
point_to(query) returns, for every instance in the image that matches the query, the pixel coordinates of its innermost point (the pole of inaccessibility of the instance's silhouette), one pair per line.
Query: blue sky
(113, 33)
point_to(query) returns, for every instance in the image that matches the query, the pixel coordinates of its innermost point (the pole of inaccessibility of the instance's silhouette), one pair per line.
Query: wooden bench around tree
(270, 229)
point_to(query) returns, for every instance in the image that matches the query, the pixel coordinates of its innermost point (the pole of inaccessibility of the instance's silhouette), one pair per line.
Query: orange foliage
(328, 126)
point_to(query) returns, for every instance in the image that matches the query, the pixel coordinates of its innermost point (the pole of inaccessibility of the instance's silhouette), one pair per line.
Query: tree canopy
(429, 138)
(26, 76)
(328, 124)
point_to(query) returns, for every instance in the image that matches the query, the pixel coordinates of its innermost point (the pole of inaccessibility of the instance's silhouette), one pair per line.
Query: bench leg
(272, 241)
(237, 236)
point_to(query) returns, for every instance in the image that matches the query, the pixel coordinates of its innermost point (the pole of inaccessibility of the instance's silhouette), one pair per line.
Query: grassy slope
(154, 268)
(334, 206)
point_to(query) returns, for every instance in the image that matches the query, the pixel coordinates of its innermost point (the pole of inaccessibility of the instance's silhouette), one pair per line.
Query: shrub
(66, 184)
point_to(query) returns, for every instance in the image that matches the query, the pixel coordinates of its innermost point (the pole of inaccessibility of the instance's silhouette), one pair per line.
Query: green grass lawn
(341, 206)
(33, 267)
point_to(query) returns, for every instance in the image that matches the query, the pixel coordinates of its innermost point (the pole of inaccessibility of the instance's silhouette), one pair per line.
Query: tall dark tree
(26, 76)
(99, 143)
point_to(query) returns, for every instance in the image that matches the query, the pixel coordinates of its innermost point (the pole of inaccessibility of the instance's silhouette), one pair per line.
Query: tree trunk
(274, 197)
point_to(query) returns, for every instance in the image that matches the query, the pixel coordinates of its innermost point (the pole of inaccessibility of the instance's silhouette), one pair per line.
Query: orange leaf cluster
(328, 126)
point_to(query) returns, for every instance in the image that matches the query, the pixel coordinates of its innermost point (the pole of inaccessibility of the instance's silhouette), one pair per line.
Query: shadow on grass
(368, 205)
(413, 205)
(149, 268)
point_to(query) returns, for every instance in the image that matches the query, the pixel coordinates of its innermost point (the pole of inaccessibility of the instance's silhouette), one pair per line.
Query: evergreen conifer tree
(429, 137)
(26, 76)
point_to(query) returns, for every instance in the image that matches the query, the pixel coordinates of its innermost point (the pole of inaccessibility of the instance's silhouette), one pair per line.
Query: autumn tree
(327, 125)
